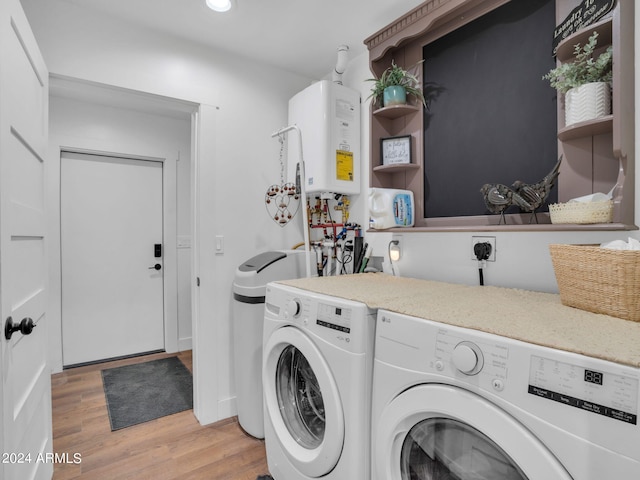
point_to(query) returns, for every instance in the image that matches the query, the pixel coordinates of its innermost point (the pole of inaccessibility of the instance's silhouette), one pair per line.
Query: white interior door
(25, 387)
(111, 218)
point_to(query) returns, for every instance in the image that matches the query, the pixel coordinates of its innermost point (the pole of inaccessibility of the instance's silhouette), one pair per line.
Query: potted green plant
(393, 86)
(585, 82)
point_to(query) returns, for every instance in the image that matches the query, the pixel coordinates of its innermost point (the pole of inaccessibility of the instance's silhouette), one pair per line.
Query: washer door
(440, 432)
(302, 402)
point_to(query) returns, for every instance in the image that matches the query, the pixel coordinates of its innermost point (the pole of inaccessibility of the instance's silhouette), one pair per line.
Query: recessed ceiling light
(219, 5)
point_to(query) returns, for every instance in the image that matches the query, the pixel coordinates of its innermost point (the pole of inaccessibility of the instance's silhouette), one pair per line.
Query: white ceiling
(300, 36)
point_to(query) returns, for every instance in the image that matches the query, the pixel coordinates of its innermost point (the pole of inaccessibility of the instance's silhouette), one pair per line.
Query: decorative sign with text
(395, 150)
(588, 12)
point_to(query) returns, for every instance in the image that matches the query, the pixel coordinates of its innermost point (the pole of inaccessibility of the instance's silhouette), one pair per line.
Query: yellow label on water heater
(344, 165)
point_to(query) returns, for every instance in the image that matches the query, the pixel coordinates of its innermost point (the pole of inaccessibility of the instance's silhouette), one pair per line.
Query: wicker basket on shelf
(598, 280)
(581, 212)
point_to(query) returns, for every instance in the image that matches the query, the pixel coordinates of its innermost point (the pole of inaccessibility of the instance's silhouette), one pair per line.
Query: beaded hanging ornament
(282, 201)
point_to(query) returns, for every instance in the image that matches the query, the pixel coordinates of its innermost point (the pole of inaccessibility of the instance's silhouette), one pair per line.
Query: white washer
(454, 403)
(317, 378)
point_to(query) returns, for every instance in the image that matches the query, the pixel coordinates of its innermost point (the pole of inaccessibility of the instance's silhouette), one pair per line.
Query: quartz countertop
(532, 317)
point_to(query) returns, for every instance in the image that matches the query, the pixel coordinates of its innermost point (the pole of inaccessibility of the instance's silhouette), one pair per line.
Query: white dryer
(453, 403)
(317, 378)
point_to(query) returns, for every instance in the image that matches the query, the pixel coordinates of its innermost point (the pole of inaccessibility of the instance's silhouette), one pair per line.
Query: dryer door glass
(300, 398)
(446, 449)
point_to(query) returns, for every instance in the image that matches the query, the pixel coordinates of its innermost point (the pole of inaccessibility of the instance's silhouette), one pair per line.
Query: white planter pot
(587, 102)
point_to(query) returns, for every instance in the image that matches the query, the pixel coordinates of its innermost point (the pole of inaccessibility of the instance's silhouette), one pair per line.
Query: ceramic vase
(587, 102)
(394, 95)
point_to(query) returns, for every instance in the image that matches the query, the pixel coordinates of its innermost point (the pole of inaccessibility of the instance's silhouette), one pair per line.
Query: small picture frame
(395, 150)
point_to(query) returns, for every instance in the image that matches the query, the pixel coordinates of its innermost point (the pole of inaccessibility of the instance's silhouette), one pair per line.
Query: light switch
(219, 244)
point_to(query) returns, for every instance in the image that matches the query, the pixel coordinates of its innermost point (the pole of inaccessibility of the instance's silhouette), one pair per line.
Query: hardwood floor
(172, 447)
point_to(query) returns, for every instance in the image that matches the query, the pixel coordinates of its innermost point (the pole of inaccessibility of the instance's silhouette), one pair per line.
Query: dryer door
(302, 402)
(440, 432)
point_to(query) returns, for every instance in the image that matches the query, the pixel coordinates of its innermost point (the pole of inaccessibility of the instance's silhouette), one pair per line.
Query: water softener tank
(328, 115)
(249, 288)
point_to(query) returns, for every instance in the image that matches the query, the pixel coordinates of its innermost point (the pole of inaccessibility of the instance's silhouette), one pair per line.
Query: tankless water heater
(328, 116)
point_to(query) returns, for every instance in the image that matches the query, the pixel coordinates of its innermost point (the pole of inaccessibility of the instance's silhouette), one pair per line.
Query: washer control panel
(325, 315)
(336, 318)
(604, 393)
(344, 323)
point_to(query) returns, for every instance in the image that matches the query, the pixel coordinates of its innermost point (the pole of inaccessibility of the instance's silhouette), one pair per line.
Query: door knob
(157, 266)
(25, 327)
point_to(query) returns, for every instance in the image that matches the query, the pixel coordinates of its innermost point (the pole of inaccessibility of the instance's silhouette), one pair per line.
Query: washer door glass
(447, 449)
(300, 398)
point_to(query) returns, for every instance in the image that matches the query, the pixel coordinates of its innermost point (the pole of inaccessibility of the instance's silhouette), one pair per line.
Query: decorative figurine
(528, 197)
(534, 195)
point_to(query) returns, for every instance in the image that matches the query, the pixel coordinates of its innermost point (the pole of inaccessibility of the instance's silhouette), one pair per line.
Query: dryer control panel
(603, 393)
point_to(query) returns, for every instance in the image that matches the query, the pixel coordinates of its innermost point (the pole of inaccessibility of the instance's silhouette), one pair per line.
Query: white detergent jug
(389, 208)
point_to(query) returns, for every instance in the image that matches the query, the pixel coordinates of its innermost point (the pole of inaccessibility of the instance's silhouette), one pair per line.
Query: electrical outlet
(489, 240)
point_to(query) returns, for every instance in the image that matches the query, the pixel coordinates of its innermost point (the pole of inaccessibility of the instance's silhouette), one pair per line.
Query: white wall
(244, 101)
(89, 126)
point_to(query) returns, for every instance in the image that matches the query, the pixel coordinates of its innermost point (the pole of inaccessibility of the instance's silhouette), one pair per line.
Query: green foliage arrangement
(395, 75)
(583, 69)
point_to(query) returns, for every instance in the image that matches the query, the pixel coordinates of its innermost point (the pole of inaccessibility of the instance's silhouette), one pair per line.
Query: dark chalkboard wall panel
(491, 119)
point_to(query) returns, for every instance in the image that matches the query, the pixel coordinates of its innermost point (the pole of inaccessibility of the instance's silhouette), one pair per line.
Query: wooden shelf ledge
(564, 227)
(396, 111)
(395, 168)
(586, 129)
(564, 52)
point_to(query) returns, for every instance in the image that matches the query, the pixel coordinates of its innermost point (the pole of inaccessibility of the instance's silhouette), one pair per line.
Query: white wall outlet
(489, 240)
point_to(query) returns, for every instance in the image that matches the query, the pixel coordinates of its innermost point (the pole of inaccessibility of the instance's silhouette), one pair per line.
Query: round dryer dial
(467, 357)
(292, 308)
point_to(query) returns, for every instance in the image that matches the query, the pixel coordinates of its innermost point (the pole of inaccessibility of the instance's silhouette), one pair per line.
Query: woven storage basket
(598, 280)
(581, 212)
